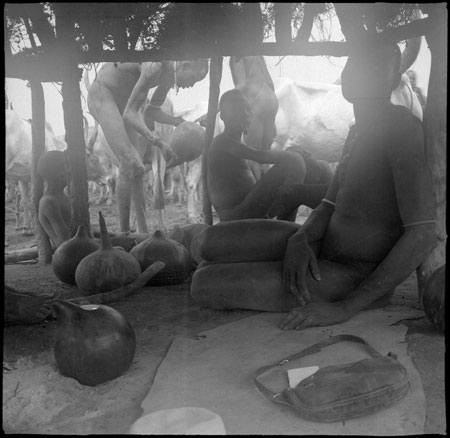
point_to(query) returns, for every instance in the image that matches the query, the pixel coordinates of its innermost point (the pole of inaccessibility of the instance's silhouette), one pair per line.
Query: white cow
(316, 116)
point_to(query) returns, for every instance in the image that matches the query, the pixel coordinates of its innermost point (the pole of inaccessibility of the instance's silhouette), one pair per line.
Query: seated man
(373, 228)
(54, 206)
(232, 187)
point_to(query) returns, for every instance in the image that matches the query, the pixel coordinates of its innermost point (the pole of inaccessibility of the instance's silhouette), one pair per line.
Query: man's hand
(298, 259)
(178, 121)
(314, 315)
(169, 155)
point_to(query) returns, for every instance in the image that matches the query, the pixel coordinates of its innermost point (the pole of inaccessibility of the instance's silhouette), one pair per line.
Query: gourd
(190, 236)
(434, 298)
(173, 254)
(125, 242)
(107, 268)
(187, 141)
(70, 253)
(246, 240)
(93, 343)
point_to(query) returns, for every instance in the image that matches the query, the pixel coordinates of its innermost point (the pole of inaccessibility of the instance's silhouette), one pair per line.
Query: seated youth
(232, 186)
(372, 230)
(54, 206)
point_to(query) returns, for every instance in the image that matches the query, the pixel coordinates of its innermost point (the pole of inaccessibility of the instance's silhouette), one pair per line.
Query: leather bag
(341, 392)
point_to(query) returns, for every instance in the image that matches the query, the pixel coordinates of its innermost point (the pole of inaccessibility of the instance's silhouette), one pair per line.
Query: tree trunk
(76, 150)
(215, 76)
(435, 117)
(37, 182)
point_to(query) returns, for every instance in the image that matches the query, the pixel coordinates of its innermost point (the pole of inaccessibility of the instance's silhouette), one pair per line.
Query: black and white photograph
(225, 218)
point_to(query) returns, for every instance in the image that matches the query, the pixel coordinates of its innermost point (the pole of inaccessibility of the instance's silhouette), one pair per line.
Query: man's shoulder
(399, 113)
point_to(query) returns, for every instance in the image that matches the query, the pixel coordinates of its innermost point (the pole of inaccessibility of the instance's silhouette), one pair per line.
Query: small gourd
(70, 253)
(173, 254)
(93, 343)
(107, 268)
(434, 298)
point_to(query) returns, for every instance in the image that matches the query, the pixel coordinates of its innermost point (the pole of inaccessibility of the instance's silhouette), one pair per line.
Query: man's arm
(304, 246)
(238, 72)
(240, 150)
(416, 206)
(152, 75)
(154, 110)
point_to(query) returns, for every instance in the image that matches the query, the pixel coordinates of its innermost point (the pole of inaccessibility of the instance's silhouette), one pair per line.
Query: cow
(18, 151)
(316, 117)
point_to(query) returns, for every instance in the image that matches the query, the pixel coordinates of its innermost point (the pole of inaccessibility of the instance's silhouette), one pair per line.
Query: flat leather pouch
(341, 392)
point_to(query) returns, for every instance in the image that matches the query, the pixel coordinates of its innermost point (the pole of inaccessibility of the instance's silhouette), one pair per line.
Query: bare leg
(259, 285)
(264, 193)
(124, 201)
(138, 198)
(296, 195)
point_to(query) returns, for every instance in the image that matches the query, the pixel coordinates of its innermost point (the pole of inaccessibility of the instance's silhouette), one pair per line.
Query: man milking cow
(371, 231)
(115, 99)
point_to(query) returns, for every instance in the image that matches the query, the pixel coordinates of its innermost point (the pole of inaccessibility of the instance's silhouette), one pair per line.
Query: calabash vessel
(70, 253)
(173, 254)
(93, 343)
(107, 268)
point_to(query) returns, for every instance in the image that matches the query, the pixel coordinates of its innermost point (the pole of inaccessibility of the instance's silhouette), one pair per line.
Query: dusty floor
(37, 399)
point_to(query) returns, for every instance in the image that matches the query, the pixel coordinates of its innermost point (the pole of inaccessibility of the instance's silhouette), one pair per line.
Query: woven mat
(215, 370)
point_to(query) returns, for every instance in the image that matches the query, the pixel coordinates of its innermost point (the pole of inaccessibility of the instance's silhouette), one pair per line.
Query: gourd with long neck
(107, 268)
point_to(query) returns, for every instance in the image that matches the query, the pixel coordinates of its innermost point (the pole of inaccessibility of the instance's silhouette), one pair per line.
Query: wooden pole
(37, 182)
(76, 149)
(215, 76)
(283, 32)
(435, 118)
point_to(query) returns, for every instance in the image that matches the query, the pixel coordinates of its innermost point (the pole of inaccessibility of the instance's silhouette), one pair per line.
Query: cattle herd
(313, 115)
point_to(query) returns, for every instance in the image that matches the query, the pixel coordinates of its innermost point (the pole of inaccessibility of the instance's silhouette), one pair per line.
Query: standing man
(251, 77)
(115, 100)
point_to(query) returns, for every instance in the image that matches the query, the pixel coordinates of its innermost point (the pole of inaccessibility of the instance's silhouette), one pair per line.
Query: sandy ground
(37, 399)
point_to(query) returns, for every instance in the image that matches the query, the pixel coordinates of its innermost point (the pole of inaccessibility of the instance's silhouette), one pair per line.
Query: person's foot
(25, 307)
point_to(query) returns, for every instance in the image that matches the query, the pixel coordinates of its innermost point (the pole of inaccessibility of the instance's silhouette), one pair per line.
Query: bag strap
(277, 397)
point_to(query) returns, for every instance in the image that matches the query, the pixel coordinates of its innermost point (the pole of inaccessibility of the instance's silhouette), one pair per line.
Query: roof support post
(435, 127)
(215, 76)
(76, 149)
(37, 182)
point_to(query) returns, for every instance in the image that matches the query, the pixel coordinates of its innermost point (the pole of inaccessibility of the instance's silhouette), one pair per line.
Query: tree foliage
(176, 26)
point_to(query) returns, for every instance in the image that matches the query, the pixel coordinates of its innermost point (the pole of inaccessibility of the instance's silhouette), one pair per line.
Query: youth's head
(190, 72)
(372, 71)
(51, 166)
(235, 110)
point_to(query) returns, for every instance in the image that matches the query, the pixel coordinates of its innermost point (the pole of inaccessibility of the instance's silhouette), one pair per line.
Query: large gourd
(173, 254)
(187, 141)
(434, 298)
(70, 253)
(190, 236)
(93, 343)
(107, 268)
